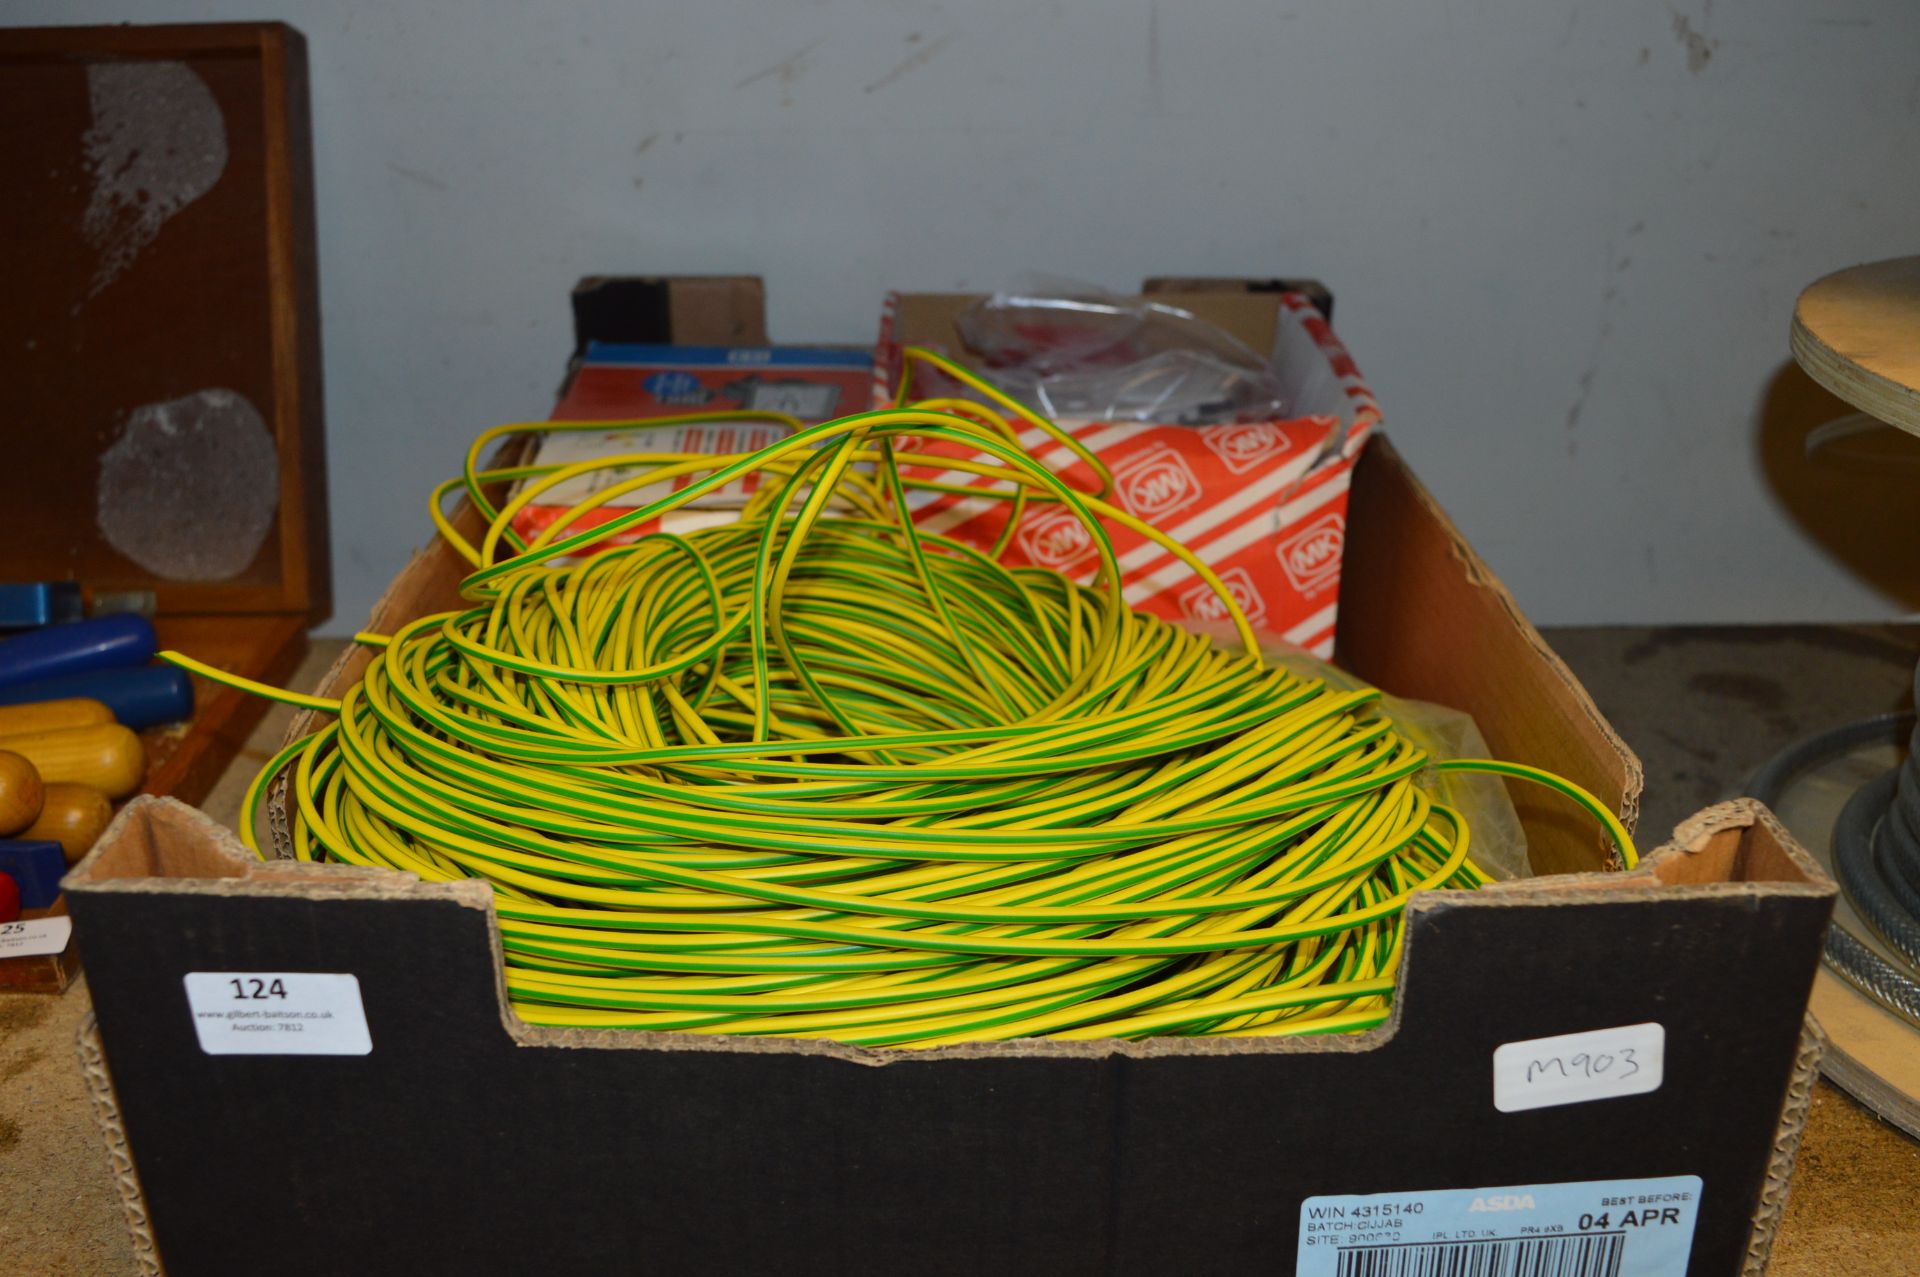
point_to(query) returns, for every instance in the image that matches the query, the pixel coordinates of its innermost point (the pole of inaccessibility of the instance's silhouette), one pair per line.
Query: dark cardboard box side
(466, 1141)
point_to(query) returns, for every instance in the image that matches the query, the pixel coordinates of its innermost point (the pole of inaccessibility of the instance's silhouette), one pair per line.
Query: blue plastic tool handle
(103, 643)
(36, 866)
(145, 696)
(26, 605)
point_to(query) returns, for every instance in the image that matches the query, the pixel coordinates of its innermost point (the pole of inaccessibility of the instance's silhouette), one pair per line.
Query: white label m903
(1573, 1068)
(277, 1013)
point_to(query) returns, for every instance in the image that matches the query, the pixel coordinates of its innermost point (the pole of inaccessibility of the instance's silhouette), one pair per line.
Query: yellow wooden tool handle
(47, 716)
(74, 816)
(106, 756)
(21, 794)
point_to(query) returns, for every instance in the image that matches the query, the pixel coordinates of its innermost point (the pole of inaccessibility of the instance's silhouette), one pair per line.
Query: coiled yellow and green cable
(817, 773)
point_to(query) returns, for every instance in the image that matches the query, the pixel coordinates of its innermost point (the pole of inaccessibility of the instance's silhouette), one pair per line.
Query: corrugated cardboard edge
(1694, 833)
(244, 874)
(113, 1134)
(231, 870)
(1772, 1206)
(1662, 870)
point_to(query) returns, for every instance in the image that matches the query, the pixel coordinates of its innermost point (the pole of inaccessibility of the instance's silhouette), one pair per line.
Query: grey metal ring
(1863, 874)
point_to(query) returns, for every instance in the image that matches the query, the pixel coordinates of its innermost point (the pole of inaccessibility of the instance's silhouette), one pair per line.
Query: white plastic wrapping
(1073, 352)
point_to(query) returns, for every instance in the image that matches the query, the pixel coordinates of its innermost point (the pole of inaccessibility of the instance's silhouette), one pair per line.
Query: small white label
(277, 1013)
(1602, 1064)
(35, 936)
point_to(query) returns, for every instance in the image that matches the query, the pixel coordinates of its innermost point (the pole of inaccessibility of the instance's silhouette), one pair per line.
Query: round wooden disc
(1858, 334)
(1872, 1054)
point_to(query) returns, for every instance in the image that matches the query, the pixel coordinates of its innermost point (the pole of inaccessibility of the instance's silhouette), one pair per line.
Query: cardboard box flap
(1422, 616)
(1311, 289)
(685, 310)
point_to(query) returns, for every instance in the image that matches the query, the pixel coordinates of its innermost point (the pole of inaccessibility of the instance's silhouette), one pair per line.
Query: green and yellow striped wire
(818, 773)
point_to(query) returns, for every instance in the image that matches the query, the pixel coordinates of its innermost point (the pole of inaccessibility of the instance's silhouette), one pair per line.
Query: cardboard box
(464, 1141)
(1262, 503)
(456, 1139)
(630, 329)
(616, 382)
(688, 310)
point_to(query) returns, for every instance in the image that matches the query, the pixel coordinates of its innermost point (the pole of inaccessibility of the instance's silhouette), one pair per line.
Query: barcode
(1587, 1255)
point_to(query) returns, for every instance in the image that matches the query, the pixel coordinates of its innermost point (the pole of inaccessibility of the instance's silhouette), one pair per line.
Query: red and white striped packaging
(1263, 504)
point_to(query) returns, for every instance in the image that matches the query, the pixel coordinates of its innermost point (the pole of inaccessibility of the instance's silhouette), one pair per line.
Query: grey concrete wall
(1565, 237)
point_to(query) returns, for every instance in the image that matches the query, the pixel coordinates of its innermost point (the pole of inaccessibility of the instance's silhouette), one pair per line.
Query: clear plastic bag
(1070, 350)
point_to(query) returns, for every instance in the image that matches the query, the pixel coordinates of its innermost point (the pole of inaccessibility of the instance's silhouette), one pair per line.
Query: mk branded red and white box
(1263, 504)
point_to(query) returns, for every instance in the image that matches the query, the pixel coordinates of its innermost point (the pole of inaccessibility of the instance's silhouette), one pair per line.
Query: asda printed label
(1596, 1228)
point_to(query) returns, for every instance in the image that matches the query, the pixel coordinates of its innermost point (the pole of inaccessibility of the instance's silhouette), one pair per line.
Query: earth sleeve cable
(817, 772)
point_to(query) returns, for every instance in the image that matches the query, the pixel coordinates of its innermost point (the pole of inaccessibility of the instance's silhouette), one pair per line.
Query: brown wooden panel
(159, 350)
